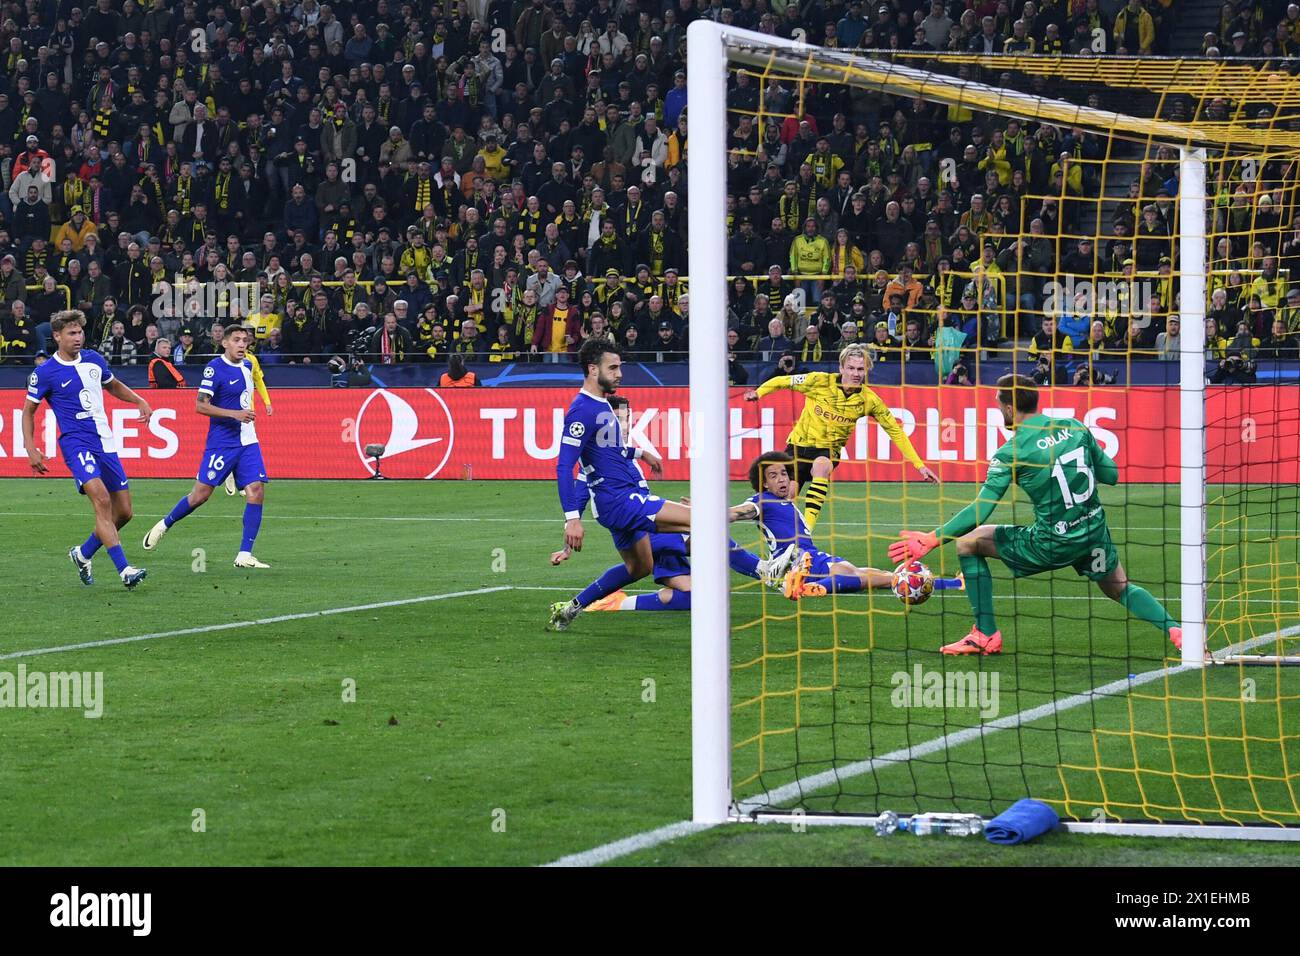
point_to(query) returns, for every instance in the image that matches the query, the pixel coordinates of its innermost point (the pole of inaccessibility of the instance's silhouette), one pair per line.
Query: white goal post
(712, 49)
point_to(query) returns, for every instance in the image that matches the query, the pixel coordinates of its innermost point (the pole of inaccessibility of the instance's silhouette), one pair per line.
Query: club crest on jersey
(577, 429)
(94, 373)
(90, 469)
(212, 475)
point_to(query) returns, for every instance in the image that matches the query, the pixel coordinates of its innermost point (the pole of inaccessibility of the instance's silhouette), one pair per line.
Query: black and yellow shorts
(804, 456)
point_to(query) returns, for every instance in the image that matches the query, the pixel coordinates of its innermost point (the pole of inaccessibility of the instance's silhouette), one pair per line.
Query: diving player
(815, 573)
(226, 398)
(1058, 464)
(86, 440)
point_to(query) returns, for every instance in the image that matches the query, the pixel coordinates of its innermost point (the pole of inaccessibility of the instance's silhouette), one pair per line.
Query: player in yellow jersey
(834, 404)
(259, 382)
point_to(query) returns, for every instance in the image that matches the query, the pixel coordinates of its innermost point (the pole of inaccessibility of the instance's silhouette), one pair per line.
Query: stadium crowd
(493, 179)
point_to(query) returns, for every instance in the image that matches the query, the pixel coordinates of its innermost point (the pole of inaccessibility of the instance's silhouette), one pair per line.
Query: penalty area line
(235, 625)
(608, 852)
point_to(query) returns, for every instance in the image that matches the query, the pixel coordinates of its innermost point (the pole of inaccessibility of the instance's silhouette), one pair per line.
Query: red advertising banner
(1252, 433)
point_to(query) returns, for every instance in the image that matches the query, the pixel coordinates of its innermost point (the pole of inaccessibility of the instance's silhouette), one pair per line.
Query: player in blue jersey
(672, 571)
(620, 498)
(671, 552)
(815, 573)
(226, 398)
(73, 381)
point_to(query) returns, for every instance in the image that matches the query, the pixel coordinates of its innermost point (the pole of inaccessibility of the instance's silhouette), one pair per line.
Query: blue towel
(1021, 822)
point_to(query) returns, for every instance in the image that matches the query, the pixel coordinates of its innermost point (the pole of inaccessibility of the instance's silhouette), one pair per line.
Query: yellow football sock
(814, 498)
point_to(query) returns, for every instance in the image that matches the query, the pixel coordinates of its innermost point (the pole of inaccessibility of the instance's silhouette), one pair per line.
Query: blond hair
(852, 349)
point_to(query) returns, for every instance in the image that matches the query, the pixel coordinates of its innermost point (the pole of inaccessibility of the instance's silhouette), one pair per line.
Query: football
(913, 583)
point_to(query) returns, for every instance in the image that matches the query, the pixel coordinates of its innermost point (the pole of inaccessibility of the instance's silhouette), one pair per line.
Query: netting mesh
(1054, 251)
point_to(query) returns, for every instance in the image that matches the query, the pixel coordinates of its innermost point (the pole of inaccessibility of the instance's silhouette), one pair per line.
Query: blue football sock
(91, 545)
(119, 559)
(742, 561)
(612, 580)
(947, 584)
(252, 521)
(680, 601)
(842, 583)
(182, 508)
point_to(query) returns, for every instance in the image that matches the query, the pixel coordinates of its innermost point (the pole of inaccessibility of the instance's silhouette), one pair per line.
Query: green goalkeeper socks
(979, 589)
(1142, 605)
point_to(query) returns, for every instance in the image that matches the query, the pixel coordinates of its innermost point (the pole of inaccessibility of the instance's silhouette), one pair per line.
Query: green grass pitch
(475, 737)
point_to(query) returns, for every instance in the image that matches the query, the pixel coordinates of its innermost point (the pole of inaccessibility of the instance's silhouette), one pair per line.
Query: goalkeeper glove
(913, 545)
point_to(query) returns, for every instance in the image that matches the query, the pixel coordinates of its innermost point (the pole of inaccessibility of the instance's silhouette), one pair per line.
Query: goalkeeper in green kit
(1058, 464)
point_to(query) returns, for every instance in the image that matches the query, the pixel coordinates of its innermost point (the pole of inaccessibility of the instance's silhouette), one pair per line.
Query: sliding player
(671, 552)
(672, 571)
(1058, 464)
(620, 498)
(73, 381)
(830, 415)
(815, 573)
(259, 383)
(226, 398)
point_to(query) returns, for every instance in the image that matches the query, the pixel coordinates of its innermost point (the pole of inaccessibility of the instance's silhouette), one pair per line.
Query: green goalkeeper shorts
(1036, 548)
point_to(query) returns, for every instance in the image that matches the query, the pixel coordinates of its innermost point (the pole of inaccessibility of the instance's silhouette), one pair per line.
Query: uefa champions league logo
(212, 475)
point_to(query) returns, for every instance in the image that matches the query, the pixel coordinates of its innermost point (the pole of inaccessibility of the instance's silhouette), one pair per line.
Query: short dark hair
(759, 465)
(593, 350)
(230, 330)
(61, 320)
(1018, 391)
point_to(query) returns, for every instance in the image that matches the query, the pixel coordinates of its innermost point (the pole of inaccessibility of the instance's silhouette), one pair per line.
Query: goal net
(1119, 230)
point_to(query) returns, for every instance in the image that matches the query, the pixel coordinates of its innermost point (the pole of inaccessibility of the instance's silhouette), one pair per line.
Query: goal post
(711, 619)
(1094, 763)
(1191, 388)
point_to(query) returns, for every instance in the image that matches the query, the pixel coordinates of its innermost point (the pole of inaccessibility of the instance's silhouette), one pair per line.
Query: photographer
(1236, 369)
(960, 375)
(1089, 374)
(1050, 349)
(349, 372)
(787, 364)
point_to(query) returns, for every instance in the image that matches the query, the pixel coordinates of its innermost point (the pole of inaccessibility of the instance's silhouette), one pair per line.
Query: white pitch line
(641, 841)
(233, 625)
(607, 852)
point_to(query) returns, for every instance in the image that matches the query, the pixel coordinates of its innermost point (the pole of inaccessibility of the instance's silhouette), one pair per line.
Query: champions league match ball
(913, 583)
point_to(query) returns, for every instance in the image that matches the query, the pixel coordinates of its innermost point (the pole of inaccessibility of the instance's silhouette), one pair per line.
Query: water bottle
(886, 823)
(947, 824)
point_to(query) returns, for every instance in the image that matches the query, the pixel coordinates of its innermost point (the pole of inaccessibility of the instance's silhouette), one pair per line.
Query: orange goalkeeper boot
(975, 642)
(1176, 635)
